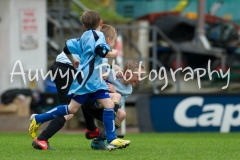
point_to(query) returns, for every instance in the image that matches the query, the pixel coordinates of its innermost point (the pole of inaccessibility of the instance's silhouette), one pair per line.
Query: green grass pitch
(212, 146)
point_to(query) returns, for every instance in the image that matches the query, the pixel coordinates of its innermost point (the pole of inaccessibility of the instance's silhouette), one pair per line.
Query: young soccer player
(64, 64)
(93, 47)
(122, 85)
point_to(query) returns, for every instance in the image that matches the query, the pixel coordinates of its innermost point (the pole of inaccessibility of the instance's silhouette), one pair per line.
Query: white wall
(4, 46)
(11, 37)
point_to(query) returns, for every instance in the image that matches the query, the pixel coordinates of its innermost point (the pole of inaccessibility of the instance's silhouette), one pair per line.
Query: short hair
(90, 19)
(108, 31)
(132, 65)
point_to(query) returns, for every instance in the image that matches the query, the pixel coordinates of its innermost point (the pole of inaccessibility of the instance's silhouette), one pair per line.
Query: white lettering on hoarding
(212, 114)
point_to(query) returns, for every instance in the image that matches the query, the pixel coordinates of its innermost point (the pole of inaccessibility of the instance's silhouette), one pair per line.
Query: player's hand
(104, 78)
(119, 74)
(76, 63)
(111, 88)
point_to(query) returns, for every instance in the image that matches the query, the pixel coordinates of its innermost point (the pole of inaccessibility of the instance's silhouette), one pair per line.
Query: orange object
(191, 15)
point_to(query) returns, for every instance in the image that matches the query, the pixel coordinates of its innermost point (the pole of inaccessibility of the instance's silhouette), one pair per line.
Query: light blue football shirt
(122, 89)
(91, 79)
(75, 46)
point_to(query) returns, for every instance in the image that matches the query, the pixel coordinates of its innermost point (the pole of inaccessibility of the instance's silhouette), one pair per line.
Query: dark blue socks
(53, 113)
(109, 125)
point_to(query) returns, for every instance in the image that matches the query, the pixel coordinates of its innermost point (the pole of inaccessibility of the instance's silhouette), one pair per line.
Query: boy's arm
(102, 49)
(111, 88)
(112, 54)
(117, 68)
(73, 60)
(70, 57)
(119, 71)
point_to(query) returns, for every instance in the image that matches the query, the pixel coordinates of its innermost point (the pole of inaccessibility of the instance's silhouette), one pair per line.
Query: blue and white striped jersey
(93, 46)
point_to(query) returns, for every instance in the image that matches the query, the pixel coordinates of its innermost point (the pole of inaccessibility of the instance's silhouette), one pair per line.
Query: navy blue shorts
(99, 94)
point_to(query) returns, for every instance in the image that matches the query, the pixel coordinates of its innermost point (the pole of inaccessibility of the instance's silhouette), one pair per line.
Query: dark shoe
(98, 145)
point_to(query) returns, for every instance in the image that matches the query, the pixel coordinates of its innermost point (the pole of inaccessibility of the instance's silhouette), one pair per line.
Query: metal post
(60, 19)
(201, 19)
(154, 58)
(178, 58)
(200, 38)
(223, 62)
(178, 55)
(123, 125)
(143, 47)
(121, 63)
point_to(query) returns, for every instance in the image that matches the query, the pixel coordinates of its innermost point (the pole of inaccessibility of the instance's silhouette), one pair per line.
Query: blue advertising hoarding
(183, 113)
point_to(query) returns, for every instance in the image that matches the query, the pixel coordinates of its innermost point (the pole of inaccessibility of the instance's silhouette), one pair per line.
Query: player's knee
(116, 97)
(121, 114)
(72, 110)
(73, 107)
(68, 117)
(109, 105)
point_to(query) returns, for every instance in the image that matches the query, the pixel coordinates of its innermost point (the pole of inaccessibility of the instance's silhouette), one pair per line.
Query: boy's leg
(61, 81)
(108, 121)
(97, 113)
(37, 120)
(53, 127)
(120, 116)
(116, 98)
(108, 118)
(89, 120)
(56, 124)
(41, 142)
(92, 130)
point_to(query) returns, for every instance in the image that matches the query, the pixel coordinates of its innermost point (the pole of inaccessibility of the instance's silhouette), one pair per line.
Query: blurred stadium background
(161, 33)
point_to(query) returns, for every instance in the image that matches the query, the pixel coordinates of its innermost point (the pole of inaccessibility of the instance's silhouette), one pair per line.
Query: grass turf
(143, 146)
